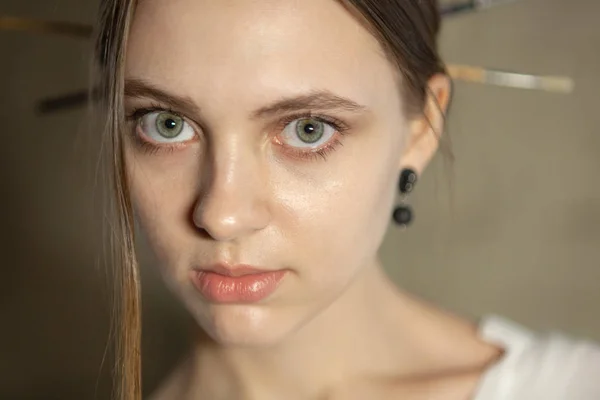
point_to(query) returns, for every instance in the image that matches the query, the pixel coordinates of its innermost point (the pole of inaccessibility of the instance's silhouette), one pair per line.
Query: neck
(354, 336)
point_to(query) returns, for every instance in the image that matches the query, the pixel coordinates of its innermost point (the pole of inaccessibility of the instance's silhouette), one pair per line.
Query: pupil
(170, 124)
(309, 128)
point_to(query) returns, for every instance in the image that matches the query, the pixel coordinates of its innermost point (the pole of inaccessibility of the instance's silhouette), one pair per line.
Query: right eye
(165, 127)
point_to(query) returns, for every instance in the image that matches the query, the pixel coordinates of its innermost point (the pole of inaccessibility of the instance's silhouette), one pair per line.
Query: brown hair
(407, 31)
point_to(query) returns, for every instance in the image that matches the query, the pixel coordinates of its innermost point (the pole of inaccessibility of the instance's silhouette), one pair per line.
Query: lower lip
(250, 288)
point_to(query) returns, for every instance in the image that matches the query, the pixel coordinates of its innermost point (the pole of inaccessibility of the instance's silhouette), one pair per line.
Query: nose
(234, 197)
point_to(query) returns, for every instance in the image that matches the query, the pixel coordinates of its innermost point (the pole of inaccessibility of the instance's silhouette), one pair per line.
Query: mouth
(239, 284)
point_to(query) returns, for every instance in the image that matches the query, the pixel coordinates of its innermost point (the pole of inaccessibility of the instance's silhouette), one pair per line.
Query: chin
(245, 325)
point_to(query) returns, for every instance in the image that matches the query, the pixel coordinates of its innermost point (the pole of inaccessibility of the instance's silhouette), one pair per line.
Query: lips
(241, 284)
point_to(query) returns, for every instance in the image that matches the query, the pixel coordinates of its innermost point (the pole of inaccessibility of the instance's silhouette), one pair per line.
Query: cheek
(162, 192)
(341, 215)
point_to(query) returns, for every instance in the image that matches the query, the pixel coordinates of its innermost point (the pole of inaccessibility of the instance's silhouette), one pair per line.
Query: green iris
(310, 130)
(169, 125)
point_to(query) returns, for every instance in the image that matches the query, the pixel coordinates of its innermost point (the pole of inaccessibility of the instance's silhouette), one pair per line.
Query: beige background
(511, 227)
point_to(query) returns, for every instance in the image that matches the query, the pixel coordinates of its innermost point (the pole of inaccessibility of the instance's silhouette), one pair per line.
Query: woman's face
(263, 133)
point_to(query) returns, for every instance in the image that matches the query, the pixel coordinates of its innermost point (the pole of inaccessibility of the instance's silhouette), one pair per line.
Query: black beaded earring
(403, 214)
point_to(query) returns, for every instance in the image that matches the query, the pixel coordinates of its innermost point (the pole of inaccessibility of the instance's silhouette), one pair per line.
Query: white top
(538, 367)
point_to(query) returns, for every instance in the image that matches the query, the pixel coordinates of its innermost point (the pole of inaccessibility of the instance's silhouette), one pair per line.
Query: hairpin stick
(481, 4)
(40, 26)
(471, 5)
(559, 84)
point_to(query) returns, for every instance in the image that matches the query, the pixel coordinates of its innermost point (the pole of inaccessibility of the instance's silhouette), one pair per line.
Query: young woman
(259, 144)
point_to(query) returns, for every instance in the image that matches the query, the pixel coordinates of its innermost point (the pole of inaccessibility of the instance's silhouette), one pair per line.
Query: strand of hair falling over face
(115, 18)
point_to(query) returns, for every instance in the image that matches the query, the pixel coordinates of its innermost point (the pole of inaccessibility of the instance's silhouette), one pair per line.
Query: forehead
(256, 48)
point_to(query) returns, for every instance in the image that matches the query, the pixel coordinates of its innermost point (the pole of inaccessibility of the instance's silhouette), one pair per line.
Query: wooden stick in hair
(45, 27)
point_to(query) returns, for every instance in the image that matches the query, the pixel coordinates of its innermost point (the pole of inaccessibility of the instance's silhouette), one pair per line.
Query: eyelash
(339, 126)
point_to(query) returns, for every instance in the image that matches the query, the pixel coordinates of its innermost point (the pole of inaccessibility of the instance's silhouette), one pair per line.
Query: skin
(238, 191)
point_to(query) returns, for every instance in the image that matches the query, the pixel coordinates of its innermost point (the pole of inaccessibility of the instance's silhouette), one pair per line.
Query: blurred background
(510, 227)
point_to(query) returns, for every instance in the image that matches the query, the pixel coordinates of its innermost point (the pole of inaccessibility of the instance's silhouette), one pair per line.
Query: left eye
(307, 133)
(166, 127)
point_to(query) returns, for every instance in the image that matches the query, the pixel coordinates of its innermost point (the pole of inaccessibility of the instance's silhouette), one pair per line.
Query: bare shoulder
(461, 385)
(456, 385)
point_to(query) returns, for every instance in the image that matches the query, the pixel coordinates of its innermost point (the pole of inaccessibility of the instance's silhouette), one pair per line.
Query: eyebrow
(139, 88)
(323, 100)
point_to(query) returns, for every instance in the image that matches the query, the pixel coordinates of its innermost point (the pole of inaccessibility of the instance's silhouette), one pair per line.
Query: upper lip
(232, 270)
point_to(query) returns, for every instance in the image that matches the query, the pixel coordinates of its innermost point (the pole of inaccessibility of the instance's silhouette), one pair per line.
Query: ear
(426, 129)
